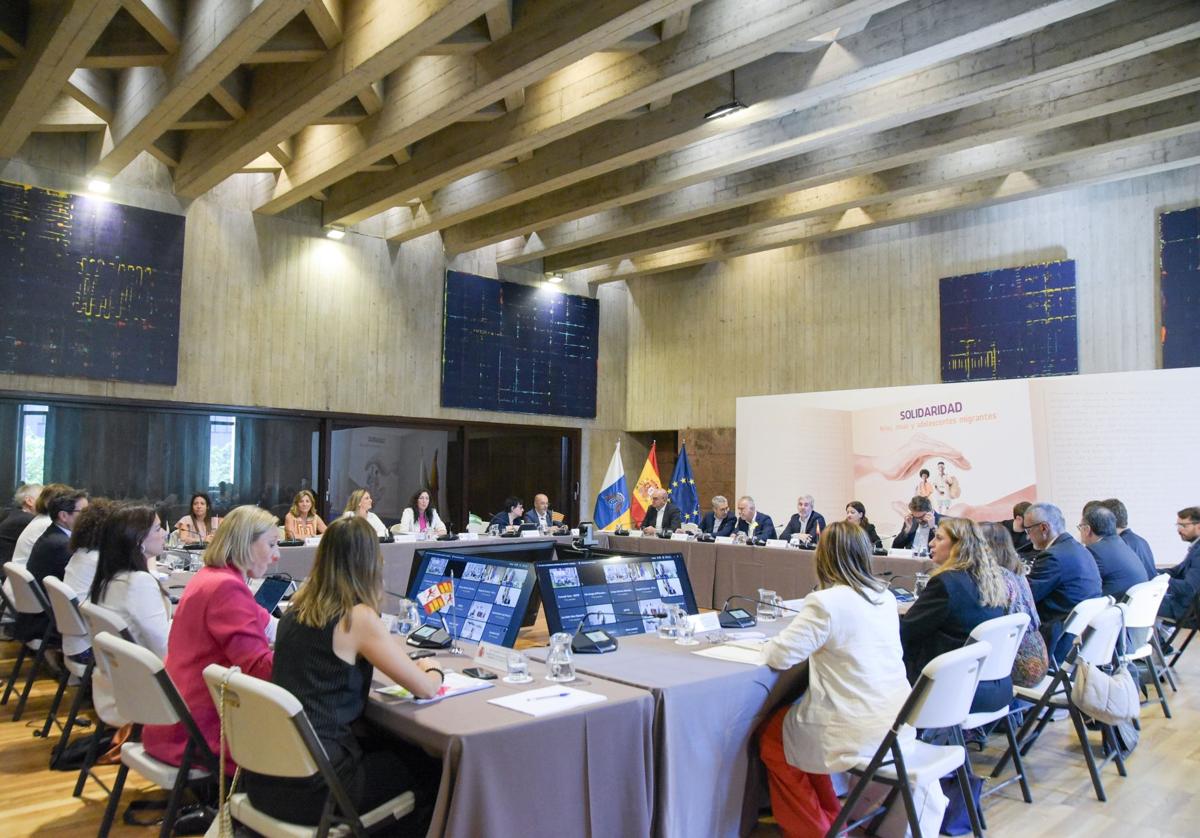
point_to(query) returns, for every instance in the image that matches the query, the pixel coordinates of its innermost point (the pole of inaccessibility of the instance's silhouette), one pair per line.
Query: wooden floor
(1161, 796)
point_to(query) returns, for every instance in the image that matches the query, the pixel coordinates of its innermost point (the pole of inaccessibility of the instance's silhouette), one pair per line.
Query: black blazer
(672, 517)
(872, 536)
(1120, 568)
(500, 519)
(726, 528)
(904, 539)
(1062, 576)
(816, 524)
(941, 620)
(1183, 585)
(531, 517)
(1137, 544)
(49, 557)
(764, 530)
(10, 530)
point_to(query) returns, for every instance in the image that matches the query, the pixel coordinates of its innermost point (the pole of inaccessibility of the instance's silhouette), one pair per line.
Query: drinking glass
(561, 666)
(685, 632)
(518, 668)
(666, 624)
(920, 580)
(767, 611)
(408, 617)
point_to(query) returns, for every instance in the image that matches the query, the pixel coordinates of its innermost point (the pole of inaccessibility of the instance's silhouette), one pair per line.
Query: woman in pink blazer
(218, 621)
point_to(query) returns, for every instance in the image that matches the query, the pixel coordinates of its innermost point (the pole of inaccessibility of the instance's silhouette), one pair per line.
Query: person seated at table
(719, 522)
(510, 515)
(1120, 568)
(15, 522)
(806, 524)
(218, 621)
(849, 632)
(965, 589)
(919, 526)
(1063, 574)
(85, 546)
(856, 513)
(40, 523)
(420, 516)
(1139, 545)
(662, 514)
(1184, 583)
(359, 506)
(326, 650)
(125, 582)
(1016, 528)
(302, 520)
(750, 522)
(199, 524)
(50, 555)
(543, 515)
(1032, 661)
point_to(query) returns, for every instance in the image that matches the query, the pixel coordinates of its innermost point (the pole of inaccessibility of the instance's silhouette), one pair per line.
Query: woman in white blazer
(360, 504)
(849, 632)
(420, 517)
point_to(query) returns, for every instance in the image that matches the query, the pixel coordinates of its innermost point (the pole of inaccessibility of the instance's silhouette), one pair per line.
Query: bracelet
(438, 671)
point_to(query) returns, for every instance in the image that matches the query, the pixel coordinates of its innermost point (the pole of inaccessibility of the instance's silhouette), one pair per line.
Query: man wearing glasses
(1120, 568)
(1185, 576)
(1063, 573)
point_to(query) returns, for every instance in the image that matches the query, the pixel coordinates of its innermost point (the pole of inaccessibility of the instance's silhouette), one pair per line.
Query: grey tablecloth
(587, 772)
(709, 781)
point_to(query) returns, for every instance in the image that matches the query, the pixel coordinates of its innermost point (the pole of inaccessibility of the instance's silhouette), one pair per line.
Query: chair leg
(114, 800)
(90, 759)
(964, 785)
(1017, 764)
(76, 703)
(1161, 659)
(181, 780)
(1085, 743)
(1109, 736)
(1183, 648)
(52, 713)
(16, 673)
(1157, 675)
(33, 673)
(860, 787)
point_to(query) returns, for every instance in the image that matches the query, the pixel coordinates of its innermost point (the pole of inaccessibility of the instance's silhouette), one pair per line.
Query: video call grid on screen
(490, 595)
(620, 593)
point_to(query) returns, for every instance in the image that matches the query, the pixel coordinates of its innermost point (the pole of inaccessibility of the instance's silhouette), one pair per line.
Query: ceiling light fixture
(336, 232)
(733, 105)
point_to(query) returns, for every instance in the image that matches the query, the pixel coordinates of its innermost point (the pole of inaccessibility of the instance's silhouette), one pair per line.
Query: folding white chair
(1141, 613)
(1189, 622)
(146, 696)
(69, 622)
(267, 732)
(1004, 635)
(100, 619)
(941, 697)
(28, 598)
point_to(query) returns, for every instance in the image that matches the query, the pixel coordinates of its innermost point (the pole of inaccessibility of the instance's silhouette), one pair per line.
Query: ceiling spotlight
(733, 105)
(336, 232)
(555, 278)
(99, 186)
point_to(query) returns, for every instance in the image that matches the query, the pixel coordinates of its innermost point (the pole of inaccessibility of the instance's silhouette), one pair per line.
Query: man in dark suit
(1063, 573)
(1016, 529)
(751, 522)
(1136, 543)
(50, 554)
(919, 526)
(1120, 569)
(662, 514)
(719, 522)
(806, 523)
(14, 523)
(542, 515)
(1185, 576)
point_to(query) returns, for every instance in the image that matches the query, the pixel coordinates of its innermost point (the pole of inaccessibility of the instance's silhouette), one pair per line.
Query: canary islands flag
(612, 503)
(683, 488)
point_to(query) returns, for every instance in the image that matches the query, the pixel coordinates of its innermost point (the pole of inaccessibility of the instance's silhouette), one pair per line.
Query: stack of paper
(455, 684)
(547, 700)
(738, 651)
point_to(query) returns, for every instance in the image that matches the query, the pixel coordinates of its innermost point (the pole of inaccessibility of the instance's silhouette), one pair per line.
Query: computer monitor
(491, 594)
(622, 593)
(517, 550)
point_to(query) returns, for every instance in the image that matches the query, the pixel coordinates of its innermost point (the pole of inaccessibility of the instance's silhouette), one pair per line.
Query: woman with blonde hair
(967, 588)
(302, 520)
(849, 633)
(1032, 660)
(359, 505)
(328, 645)
(218, 621)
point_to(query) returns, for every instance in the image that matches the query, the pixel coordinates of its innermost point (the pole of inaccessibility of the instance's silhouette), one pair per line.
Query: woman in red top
(218, 621)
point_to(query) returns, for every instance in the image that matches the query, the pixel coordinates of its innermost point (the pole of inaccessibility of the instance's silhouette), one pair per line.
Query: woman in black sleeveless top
(326, 648)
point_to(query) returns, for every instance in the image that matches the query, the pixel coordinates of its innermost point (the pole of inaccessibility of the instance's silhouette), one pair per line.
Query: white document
(547, 700)
(738, 651)
(777, 542)
(455, 683)
(724, 539)
(531, 534)
(679, 536)
(635, 533)
(709, 621)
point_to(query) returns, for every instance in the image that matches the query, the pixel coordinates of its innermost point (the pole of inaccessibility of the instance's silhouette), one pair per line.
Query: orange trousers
(803, 804)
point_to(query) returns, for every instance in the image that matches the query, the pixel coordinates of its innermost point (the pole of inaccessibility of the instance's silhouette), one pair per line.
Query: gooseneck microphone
(740, 617)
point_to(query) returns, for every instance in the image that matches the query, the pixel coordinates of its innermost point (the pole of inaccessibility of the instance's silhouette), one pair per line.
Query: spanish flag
(647, 482)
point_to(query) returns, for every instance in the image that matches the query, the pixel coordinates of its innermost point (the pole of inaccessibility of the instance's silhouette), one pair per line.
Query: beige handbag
(1107, 698)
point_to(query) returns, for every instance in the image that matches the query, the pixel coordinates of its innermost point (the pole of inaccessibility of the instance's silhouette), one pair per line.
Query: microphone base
(731, 621)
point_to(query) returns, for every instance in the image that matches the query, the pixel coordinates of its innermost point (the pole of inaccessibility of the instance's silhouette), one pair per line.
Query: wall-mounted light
(100, 187)
(336, 232)
(554, 278)
(733, 105)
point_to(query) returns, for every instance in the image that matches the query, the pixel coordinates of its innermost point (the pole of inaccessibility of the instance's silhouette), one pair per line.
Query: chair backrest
(99, 618)
(1083, 612)
(943, 694)
(65, 605)
(144, 693)
(28, 597)
(264, 725)
(1005, 635)
(1142, 601)
(1099, 640)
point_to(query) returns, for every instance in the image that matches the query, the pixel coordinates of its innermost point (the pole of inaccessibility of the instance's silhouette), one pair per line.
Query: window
(32, 453)
(221, 444)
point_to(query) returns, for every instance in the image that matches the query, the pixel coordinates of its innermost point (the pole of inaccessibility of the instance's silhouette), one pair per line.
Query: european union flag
(683, 488)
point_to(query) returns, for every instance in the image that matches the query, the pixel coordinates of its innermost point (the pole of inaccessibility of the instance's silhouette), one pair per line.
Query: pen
(543, 697)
